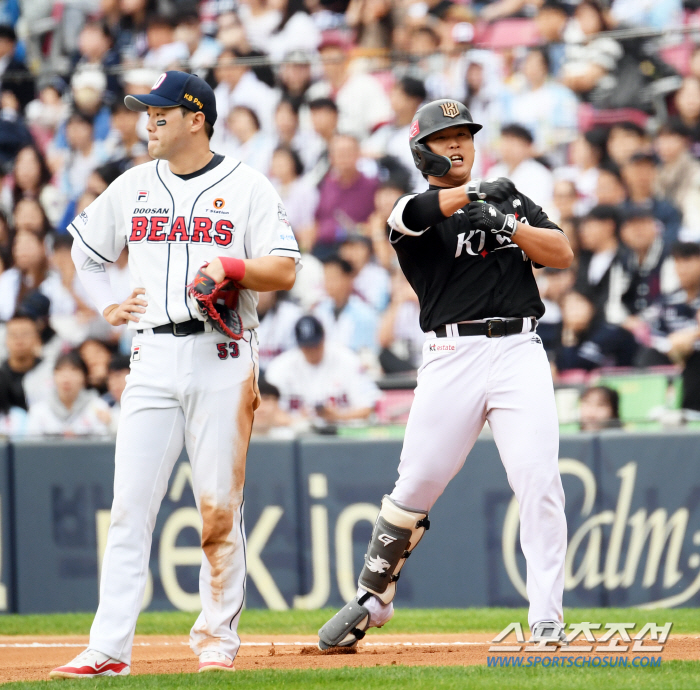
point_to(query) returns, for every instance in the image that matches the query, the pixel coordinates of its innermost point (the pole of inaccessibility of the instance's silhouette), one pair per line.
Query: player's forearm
(544, 246)
(268, 273)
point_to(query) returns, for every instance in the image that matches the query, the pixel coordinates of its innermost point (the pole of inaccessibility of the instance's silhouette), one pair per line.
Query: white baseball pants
(200, 391)
(507, 381)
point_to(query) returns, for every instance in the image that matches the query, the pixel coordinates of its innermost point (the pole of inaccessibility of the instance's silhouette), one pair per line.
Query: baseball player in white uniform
(467, 247)
(188, 218)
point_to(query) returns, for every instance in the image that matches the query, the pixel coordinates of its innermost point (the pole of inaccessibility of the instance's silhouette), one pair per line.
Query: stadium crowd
(588, 110)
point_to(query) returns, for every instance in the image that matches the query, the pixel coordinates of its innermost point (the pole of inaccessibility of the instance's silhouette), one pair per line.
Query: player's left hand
(484, 216)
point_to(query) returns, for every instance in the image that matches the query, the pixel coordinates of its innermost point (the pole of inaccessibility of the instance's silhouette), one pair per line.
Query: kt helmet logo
(450, 109)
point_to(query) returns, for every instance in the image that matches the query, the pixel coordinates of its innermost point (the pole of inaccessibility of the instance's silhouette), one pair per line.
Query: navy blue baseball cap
(173, 89)
(308, 331)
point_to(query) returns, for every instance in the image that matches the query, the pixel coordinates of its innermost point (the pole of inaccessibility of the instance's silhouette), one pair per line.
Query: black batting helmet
(431, 118)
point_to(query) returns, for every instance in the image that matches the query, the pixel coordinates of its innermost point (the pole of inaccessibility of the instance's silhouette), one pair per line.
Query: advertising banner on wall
(632, 506)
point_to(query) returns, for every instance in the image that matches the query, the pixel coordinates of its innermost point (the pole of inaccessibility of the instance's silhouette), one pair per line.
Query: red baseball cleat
(215, 661)
(89, 664)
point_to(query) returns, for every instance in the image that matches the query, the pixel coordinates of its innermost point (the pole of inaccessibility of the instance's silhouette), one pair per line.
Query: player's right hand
(119, 314)
(495, 189)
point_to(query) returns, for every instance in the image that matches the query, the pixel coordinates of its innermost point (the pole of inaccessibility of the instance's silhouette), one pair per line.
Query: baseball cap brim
(141, 103)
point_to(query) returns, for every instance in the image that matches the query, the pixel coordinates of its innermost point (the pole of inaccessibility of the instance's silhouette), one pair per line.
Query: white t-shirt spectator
(250, 92)
(373, 285)
(531, 178)
(89, 416)
(62, 302)
(362, 104)
(338, 381)
(354, 327)
(276, 331)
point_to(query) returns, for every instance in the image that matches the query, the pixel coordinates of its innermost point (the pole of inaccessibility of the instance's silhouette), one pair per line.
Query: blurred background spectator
(592, 107)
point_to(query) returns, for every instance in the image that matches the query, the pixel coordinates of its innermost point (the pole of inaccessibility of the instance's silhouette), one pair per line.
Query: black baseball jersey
(463, 274)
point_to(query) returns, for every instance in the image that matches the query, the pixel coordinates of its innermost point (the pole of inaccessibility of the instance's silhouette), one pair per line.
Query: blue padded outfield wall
(632, 504)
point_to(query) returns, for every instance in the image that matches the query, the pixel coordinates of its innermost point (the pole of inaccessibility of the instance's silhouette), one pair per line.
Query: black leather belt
(180, 329)
(493, 328)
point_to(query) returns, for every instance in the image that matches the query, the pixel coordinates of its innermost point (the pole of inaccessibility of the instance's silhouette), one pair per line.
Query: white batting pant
(507, 381)
(189, 390)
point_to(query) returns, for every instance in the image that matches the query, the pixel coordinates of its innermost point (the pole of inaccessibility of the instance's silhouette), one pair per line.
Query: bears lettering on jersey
(202, 230)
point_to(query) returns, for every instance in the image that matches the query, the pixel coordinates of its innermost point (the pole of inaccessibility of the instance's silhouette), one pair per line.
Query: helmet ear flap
(430, 163)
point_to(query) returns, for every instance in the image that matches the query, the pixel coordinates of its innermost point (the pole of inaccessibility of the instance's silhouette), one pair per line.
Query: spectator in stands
(591, 61)
(21, 85)
(372, 22)
(297, 33)
(299, 196)
(346, 196)
(294, 77)
(238, 85)
(116, 383)
(678, 178)
(32, 178)
(390, 139)
(37, 307)
(639, 174)
(553, 18)
(70, 409)
(687, 102)
(123, 140)
(97, 357)
(585, 345)
(71, 299)
(130, 42)
(362, 103)
(564, 199)
(83, 156)
(675, 331)
(553, 285)
(30, 272)
(14, 134)
(375, 228)
(400, 336)
(324, 120)
(24, 376)
(610, 189)
(346, 318)
(95, 50)
(648, 262)
(29, 215)
(203, 50)
(601, 276)
(270, 419)
(624, 140)
(321, 380)
(164, 51)
(517, 163)
(371, 281)
(278, 315)
(599, 409)
(546, 108)
(249, 144)
(586, 153)
(46, 112)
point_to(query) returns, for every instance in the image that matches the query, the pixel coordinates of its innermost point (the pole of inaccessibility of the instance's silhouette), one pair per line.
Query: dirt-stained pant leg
(523, 417)
(219, 410)
(149, 442)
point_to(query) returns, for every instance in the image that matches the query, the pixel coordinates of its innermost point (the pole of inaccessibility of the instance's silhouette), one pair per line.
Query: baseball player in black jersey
(468, 248)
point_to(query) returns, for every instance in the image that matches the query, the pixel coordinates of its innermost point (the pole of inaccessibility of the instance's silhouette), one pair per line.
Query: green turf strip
(264, 622)
(674, 675)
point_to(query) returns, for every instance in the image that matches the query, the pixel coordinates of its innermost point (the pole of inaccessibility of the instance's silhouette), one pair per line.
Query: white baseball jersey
(337, 381)
(173, 226)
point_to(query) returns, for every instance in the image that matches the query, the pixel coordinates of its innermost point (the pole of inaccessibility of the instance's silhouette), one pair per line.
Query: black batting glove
(495, 188)
(484, 216)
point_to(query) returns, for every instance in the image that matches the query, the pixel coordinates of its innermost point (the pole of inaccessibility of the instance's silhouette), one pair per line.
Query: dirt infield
(32, 657)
